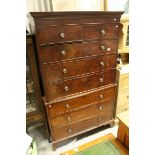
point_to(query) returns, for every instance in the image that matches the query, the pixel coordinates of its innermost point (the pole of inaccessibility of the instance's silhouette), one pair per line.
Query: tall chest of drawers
(77, 53)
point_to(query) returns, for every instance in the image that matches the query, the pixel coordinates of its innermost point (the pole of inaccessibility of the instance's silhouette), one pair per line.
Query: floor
(38, 133)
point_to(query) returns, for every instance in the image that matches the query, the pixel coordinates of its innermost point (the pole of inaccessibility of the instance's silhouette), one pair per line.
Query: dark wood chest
(77, 54)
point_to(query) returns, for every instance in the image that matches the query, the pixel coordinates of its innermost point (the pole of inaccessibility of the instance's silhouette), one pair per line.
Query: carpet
(106, 145)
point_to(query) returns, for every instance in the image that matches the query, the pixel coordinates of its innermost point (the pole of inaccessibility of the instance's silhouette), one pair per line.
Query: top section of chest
(67, 27)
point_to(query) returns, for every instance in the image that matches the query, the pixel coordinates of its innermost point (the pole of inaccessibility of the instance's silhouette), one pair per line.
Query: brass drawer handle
(69, 130)
(49, 106)
(66, 88)
(63, 52)
(68, 119)
(64, 71)
(103, 47)
(102, 31)
(101, 80)
(101, 96)
(102, 64)
(108, 49)
(67, 106)
(100, 108)
(62, 35)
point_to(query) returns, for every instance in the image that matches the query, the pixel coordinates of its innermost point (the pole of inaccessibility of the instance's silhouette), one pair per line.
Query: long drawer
(70, 33)
(54, 53)
(80, 84)
(82, 114)
(58, 71)
(79, 127)
(77, 102)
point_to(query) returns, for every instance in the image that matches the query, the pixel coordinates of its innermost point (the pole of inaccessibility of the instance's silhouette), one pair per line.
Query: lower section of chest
(76, 115)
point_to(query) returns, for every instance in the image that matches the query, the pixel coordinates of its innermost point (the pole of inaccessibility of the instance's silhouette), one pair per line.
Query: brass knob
(102, 63)
(68, 119)
(103, 47)
(49, 106)
(63, 52)
(101, 80)
(62, 35)
(102, 31)
(100, 107)
(69, 130)
(108, 49)
(66, 88)
(67, 106)
(64, 71)
(101, 96)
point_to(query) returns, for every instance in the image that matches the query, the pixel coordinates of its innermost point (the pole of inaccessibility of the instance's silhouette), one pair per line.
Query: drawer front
(80, 127)
(80, 102)
(58, 71)
(68, 87)
(93, 32)
(81, 114)
(58, 34)
(76, 50)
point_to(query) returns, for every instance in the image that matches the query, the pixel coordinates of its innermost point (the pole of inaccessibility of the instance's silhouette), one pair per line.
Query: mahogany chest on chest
(77, 53)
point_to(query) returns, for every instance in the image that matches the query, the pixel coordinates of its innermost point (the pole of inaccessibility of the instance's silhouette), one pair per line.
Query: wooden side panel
(123, 134)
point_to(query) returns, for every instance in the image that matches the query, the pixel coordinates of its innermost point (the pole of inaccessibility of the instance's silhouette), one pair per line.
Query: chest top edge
(76, 13)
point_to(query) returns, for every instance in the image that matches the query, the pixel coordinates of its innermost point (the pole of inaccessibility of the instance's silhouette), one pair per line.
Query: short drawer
(80, 127)
(57, 34)
(82, 114)
(58, 71)
(93, 32)
(55, 53)
(67, 87)
(67, 105)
